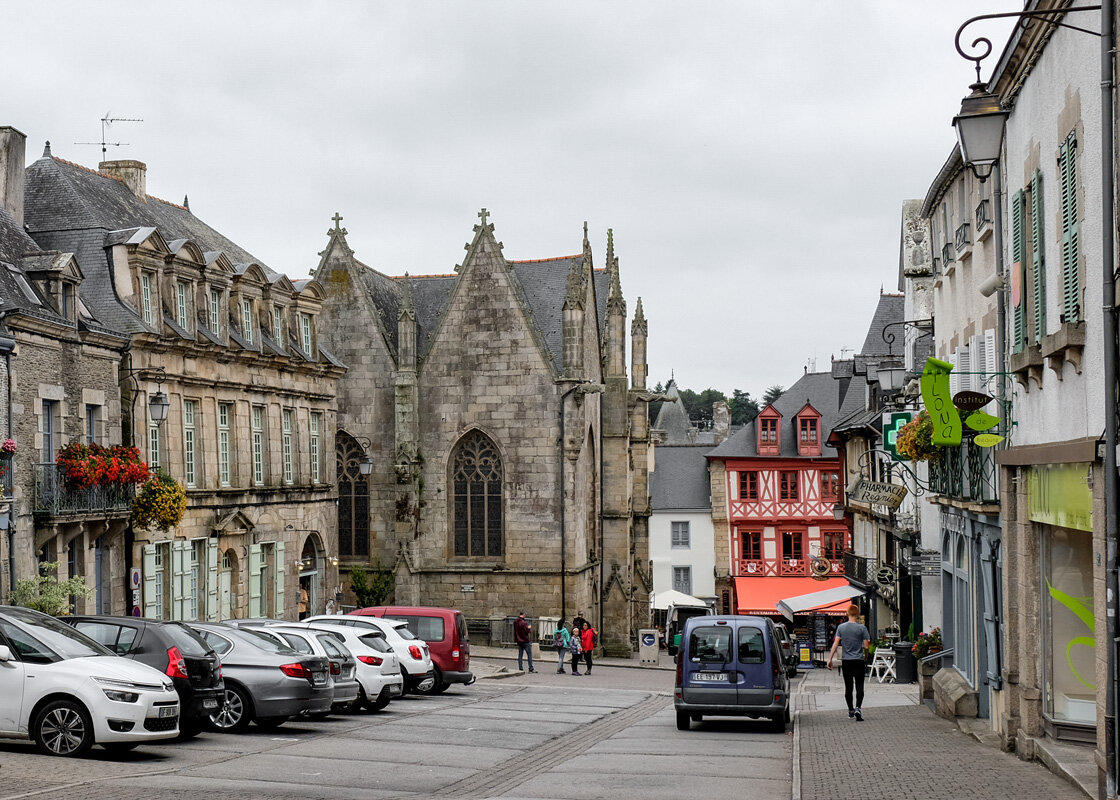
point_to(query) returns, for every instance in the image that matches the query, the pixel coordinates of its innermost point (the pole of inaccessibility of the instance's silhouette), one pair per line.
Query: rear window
(189, 643)
(710, 643)
(403, 631)
(298, 643)
(376, 641)
(116, 638)
(328, 643)
(752, 649)
(461, 624)
(266, 643)
(430, 629)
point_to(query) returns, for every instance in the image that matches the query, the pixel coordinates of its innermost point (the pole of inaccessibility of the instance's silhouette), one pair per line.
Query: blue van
(731, 666)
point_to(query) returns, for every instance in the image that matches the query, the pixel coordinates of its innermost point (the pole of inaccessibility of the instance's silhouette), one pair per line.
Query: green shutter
(1038, 261)
(256, 561)
(212, 580)
(1018, 318)
(278, 554)
(1071, 253)
(180, 584)
(151, 602)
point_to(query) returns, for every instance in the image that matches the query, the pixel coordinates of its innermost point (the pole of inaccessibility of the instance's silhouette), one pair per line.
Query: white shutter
(151, 602)
(180, 581)
(964, 382)
(278, 552)
(256, 561)
(212, 580)
(978, 357)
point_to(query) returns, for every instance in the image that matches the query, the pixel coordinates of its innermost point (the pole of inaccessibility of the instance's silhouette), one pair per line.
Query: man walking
(853, 639)
(523, 635)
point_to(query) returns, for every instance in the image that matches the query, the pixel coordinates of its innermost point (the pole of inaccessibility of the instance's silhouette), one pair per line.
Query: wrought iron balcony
(859, 569)
(967, 472)
(962, 237)
(947, 256)
(983, 215)
(55, 497)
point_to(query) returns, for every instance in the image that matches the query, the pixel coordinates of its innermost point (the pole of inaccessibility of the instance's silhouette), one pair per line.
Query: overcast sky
(751, 158)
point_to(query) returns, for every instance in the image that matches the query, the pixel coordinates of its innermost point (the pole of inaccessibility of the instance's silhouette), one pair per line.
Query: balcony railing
(962, 238)
(859, 569)
(752, 566)
(793, 566)
(947, 256)
(983, 215)
(967, 472)
(54, 497)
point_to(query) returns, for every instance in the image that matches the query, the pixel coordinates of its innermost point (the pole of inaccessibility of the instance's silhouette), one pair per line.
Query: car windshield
(52, 634)
(266, 643)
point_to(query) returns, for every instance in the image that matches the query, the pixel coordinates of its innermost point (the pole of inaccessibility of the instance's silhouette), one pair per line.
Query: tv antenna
(107, 122)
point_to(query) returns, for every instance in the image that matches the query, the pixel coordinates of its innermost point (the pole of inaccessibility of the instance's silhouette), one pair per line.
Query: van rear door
(756, 686)
(708, 671)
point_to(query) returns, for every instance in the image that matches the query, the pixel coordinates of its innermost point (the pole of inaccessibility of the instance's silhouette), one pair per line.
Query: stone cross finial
(483, 214)
(337, 220)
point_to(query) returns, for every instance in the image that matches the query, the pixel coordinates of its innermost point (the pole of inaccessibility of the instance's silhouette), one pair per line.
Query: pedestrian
(560, 640)
(523, 635)
(577, 621)
(576, 648)
(853, 640)
(589, 637)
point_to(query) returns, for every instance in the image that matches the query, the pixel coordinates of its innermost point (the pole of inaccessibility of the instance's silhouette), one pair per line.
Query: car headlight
(121, 697)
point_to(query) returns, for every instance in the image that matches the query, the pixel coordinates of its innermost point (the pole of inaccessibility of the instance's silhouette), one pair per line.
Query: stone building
(477, 395)
(251, 423)
(59, 383)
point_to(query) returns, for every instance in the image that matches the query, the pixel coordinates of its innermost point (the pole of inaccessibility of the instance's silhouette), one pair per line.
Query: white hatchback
(379, 670)
(416, 661)
(66, 692)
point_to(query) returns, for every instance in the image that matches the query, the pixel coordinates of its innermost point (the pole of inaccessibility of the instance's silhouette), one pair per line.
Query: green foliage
(47, 594)
(772, 394)
(373, 587)
(743, 407)
(698, 405)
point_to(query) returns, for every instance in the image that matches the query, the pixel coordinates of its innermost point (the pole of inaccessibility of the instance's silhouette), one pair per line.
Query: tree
(47, 594)
(373, 587)
(743, 407)
(772, 394)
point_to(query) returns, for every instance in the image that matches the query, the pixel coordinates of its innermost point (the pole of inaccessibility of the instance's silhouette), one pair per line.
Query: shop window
(1069, 650)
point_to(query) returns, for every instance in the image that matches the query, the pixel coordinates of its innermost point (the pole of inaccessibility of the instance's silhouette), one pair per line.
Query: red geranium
(86, 465)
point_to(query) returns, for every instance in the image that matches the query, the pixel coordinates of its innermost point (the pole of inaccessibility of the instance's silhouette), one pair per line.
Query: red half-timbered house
(781, 484)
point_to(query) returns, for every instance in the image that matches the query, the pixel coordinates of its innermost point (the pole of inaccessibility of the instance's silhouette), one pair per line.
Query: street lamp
(838, 512)
(891, 374)
(365, 466)
(980, 130)
(158, 405)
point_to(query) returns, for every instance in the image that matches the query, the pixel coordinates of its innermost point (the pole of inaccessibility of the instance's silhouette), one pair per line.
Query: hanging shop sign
(1059, 494)
(885, 577)
(938, 401)
(893, 422)
(876, 493)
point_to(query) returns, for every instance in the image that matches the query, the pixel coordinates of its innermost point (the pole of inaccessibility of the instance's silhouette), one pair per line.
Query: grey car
(320, 643)
(266, 682)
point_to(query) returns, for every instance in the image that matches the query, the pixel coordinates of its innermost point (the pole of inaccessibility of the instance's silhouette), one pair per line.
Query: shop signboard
(938, 401)
(1059, 494)
(876, 493)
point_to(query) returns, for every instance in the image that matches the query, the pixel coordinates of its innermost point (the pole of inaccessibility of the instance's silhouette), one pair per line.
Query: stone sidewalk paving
(900, 751)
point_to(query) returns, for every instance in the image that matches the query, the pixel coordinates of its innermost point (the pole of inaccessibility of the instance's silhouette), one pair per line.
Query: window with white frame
(286, 435)
(679, 536)
(181, 315)
(93, 422)
(216, 311)
(305, 332)
(247, 319)
(224, 413)
(193, 579)
(258, 445)
(146, 297)
(682, 579)
(313, 445)
(190, 408)
(278, 324)
(153, 445)
(159, 583)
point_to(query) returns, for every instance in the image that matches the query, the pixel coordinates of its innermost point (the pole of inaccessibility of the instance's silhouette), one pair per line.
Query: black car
(173, 649)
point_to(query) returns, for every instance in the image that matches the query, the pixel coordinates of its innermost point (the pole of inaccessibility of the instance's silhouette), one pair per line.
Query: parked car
(445, 631)
(66, 692)
(413, 653)
(790, 656)
(173, 649)
(379, 670)
(675, 618)
(730, 666)
(344, 685)
(265, 682)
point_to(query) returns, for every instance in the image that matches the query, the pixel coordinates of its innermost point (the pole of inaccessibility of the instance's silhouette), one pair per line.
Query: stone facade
(525, 361)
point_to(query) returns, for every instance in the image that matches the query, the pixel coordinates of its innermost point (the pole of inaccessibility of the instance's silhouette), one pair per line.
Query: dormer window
(146, 298)
(247, 319)
(808, 431)
(305, 332)
(181, 313)
(769, 432)
(216, 311)
(66, 301)
(278, 324)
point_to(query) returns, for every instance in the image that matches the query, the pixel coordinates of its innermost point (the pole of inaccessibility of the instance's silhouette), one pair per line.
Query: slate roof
(680, 481)
(833, 399)
(891, 308)
(673, 420)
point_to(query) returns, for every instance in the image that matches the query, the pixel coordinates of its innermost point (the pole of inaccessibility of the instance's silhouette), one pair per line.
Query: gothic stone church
(460, 389)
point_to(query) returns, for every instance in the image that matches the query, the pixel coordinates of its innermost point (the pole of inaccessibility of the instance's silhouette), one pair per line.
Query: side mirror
(5, 654)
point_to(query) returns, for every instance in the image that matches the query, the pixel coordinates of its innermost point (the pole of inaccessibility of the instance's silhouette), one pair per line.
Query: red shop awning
(761, 595)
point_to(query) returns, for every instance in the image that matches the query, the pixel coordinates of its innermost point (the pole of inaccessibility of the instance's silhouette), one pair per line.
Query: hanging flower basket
(928, 643)
(8, 447)
(85, 465)
(915, 440)
(160, 504)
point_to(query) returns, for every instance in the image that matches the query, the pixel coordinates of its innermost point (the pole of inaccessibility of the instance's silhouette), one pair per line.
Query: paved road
(608, 735)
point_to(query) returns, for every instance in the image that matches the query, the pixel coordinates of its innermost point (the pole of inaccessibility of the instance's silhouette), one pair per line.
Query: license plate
(211, 703)
(318, 678)
(710, 676)
(168, 711)
(395, 690)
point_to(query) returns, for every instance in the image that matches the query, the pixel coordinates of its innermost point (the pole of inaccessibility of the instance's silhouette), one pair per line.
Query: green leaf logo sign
(1079, 607)
(939, 403)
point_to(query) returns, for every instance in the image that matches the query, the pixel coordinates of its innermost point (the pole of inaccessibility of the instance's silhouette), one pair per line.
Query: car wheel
(359, 702)
(319, 716)
(270, 723)
(787, 717)
(120, 747)
(778, 723)
(431, 686)
(382, 700)
(441, 687)
(236, 712)
(63, 728)
(684, 722)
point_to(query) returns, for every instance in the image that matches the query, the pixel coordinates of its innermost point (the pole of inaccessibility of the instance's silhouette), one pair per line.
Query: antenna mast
(106, 122)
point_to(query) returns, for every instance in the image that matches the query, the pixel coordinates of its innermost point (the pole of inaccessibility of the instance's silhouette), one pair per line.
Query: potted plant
(927, 643)
(85, 465)
(160, 504)
(915, 440)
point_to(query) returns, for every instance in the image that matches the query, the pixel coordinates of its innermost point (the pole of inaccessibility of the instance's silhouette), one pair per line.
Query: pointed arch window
(476, 477)
(353, 497)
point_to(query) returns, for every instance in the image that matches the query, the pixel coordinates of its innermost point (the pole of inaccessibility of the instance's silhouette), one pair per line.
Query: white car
(379, 670)
(66, 692)
(416, 661)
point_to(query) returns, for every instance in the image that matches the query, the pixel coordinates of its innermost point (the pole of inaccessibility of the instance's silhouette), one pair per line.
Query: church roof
(673, 419)
(679, 481)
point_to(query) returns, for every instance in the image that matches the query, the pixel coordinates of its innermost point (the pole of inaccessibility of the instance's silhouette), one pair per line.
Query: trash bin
(905, 665)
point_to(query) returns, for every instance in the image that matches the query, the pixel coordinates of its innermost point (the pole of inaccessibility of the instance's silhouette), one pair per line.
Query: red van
(445, 631)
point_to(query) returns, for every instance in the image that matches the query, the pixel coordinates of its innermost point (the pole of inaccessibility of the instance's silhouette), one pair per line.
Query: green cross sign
(892, 424)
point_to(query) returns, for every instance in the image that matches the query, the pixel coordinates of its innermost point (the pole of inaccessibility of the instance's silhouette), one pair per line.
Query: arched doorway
(311, 573)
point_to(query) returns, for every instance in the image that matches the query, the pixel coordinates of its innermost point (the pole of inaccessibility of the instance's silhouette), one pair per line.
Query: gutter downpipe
(11, 511)
(1108, 299)
(563, 506)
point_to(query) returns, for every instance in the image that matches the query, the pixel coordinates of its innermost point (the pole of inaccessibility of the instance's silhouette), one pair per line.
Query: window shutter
(278, 551)
(993, 363)
(978, 358)
(151, 604)
(212, 580)
(1018, 320)
(963, 365)
(1067, 172)
(180, 585)
(256, 561)
(1038, 261)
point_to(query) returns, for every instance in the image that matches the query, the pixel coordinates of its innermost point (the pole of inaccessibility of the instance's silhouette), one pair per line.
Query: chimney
(133, 173)
(12, 149)
(721, 422)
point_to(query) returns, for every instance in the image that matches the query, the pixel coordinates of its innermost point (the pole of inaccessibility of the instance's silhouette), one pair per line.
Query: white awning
(807, 602)
(671, 597)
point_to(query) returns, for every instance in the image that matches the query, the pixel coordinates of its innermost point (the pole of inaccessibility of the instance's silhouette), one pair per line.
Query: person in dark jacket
(523, 635)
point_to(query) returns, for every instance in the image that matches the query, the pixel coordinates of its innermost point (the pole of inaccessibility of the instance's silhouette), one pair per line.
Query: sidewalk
(901, 750)
(548, 656)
